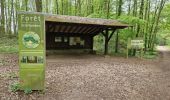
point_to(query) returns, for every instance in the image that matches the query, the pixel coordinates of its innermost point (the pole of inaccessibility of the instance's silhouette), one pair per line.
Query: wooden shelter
(73, 32)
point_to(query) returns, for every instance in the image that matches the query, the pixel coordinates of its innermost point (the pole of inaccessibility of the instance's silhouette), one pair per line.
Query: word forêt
(30, 18)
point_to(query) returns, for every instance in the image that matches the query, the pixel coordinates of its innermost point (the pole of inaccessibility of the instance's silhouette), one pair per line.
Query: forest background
(150, 20)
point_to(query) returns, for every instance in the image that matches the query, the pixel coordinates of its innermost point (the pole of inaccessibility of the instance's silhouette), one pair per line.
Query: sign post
(31, 32)
(135, 44)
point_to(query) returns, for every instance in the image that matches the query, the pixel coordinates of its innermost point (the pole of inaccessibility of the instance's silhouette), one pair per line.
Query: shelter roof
(85, 20)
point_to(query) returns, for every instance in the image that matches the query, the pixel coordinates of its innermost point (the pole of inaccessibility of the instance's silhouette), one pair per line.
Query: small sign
(137, 44)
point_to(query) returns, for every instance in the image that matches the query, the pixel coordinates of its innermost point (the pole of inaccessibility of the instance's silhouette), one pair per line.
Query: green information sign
(31, 32)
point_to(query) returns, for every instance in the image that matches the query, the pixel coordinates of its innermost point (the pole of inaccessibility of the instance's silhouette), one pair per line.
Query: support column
(106, 42)
(117, 41)
(107, 39)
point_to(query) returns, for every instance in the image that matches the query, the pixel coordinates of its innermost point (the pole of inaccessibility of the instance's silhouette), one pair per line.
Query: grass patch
(14, 87)
(8, 45)
(150, 55)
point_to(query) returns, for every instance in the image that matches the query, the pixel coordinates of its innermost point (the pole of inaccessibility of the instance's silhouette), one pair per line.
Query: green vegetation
(8, 45)
(14, 87)
(27, 90)
(150, 55)
(149, 18)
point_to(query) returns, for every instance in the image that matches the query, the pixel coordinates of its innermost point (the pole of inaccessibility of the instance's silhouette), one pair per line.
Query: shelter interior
(73, 32)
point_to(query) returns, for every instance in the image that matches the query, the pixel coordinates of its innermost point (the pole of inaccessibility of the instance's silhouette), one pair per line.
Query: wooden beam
(94, 29)
(110, 36)
(68, 28)
(90, 28)
(78, 29)
(72, 30)
(106, 42)
(84, 29)
(56, 28)
(53, 27)
(103, 33)
(65, 34)
(65, 28)
(59, 28)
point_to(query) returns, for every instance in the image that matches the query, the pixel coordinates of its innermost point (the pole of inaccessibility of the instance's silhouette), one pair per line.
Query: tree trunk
(57, 7)
(162, 3)
(47, 10)
(26, 5)
(38, 5)
(119, 11)
(75, 8)
(108, 9)
(129, 7)
(146, 17)
(2, 31)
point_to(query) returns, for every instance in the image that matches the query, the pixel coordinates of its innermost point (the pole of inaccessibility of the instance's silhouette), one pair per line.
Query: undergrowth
(8, 45)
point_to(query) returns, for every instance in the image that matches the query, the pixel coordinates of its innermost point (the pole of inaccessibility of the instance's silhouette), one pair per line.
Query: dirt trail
(164, 58)
(94, 77)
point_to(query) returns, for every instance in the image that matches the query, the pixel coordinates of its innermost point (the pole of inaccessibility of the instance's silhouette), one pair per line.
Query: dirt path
(94, 77)
(164, 58)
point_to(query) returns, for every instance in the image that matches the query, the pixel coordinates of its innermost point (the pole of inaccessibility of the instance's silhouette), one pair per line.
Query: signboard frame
(32, 50)
(137, 43)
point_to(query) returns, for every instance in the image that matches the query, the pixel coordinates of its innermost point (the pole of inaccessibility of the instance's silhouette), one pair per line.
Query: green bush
(14, 87)
(8, 45)
(27, 90)
(150, 55)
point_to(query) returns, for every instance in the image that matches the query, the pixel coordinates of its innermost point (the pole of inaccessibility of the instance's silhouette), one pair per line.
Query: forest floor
(94, 77)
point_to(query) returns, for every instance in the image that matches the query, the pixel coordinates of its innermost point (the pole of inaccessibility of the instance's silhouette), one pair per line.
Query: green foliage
(163, 34)
(99, 44)
(131, 20)
(27, 90)
(14, 87)
(130, 12)
(150, 55)
(8, 45)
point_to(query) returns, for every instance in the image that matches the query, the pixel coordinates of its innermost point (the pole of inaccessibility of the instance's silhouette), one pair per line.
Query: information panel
(137, 44)
(31, 32)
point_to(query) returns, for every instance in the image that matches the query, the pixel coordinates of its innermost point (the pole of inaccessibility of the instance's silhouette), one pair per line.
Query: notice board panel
(31, 33)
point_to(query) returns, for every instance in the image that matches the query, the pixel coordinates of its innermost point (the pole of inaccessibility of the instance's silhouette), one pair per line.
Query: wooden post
(106, 42)
(92, 41)
(117, 40)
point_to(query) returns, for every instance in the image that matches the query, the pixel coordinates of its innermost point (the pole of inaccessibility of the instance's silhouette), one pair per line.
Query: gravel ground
(92, 77)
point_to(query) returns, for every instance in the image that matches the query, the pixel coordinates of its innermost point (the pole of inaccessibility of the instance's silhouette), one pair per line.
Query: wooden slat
(89, 28)
(84, 29)
(92, 30)
(62, 28)
(78, 29)
(59, 29)
(73, 29)
(56, 28)
(68, 28)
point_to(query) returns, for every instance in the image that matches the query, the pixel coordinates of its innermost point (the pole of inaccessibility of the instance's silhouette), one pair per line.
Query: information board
(137, 44)
(31, 32)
